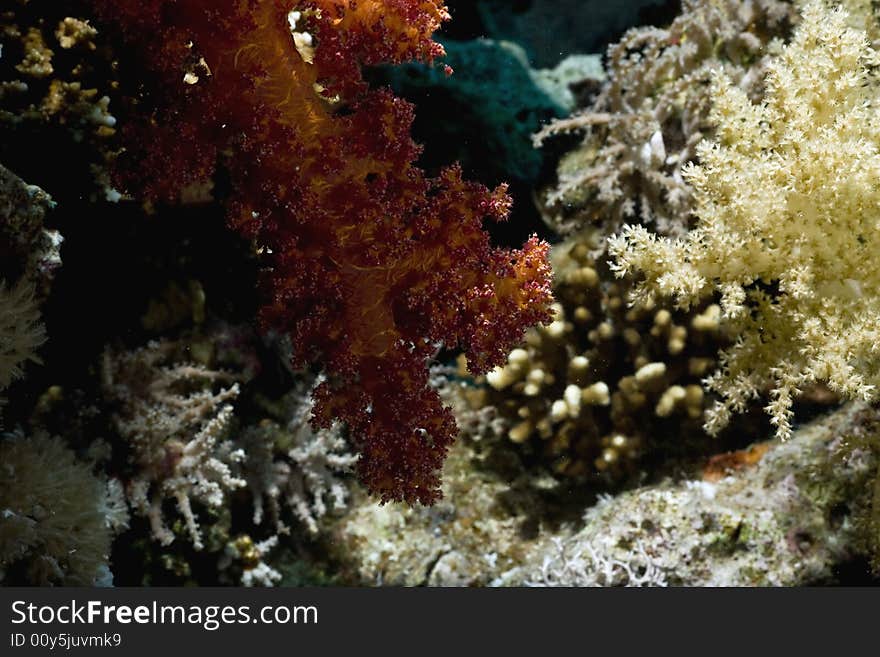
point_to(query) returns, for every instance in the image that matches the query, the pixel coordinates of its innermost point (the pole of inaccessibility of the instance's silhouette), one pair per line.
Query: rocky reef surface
(780, 514)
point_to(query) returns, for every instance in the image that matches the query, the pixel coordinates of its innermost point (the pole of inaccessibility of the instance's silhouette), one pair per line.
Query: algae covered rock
(466, 539)
(781, 514)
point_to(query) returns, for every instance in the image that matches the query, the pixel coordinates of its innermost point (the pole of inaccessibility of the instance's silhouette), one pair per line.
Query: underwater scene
(424, 293)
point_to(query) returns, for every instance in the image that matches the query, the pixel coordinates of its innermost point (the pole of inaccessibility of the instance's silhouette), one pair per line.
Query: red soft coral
(370, 264)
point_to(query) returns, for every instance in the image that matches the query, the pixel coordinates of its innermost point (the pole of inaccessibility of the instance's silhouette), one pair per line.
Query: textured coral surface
(54, 529)
(643, 127)
(370, 264)
(604, 384)
(787, 233)
(201, 165)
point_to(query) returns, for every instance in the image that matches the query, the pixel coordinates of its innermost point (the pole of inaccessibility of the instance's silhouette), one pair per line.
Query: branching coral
(55, 80)
(369, 262)
(644, 126)
(787, 234)
(294, 465)
(52, 526)
(603, 384)
(174, 422)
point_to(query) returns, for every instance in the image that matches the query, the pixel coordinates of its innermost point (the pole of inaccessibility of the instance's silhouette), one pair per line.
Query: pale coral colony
(261, 322)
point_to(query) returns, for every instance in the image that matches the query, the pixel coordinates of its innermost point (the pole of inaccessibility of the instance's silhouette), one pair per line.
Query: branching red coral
(370, 263)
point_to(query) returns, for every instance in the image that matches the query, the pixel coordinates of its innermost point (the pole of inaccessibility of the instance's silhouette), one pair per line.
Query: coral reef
(643, 128)
(21, 333)
(369, 263)
(53, 523)
(174, 422)
(55, 81)
(272, 290)
(787, 515)
(603, 384)
(787, 520)
(292, 463)
(787, 207)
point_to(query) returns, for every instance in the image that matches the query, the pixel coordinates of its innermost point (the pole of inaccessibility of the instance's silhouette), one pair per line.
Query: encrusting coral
(53, 524)
(782, 514)
(603, 384)
(644, 126)
(369, 263)
(787, 519)
(465, 539)
(786, 235)
(28, 249)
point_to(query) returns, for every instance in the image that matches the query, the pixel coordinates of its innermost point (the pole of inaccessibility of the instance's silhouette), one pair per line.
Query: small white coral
(176, 423)
(587, 565)
(250, 557)
(294, 464)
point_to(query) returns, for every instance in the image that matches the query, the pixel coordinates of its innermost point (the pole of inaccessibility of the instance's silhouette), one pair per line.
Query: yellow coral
(788, 205)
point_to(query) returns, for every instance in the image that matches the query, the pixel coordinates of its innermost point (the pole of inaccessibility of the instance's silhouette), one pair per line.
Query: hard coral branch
(370, 263)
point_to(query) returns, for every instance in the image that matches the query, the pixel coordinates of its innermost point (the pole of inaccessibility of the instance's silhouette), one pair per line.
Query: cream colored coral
(53, 522)
(788, 230)
(175, 417)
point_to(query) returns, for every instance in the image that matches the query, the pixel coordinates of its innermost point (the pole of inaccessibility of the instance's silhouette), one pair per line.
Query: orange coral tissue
(370, 263)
